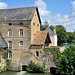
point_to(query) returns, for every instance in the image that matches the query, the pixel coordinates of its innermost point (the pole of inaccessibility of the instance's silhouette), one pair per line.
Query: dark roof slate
(17, 14)
(50, 31)
(2, 42)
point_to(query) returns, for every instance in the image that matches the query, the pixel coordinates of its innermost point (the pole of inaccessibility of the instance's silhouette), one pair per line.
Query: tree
(34, 68)
(71, 37)
(43, 27)
(61, 34)
(51, 27)
(67, 64)
(46, 24)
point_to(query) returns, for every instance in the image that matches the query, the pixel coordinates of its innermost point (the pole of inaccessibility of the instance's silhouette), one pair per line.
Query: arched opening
(21, 33)
(9, 45)
(53, 70)
(24, 67)
(10, 33)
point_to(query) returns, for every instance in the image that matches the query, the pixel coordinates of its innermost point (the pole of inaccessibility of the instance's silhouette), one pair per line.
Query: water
(21, 73)
(67, 45)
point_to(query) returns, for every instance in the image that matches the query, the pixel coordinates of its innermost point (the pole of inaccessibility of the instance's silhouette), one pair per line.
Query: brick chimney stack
(54, 30)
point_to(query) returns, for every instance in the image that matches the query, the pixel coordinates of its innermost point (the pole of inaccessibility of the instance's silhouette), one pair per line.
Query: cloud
(73, 9)
(68, 21)
(42, 8)
(3, 5)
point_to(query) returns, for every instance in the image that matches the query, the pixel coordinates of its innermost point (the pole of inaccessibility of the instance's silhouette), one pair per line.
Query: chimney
(54, 30)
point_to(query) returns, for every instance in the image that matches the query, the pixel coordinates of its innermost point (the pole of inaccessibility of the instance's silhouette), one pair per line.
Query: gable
(40, 38)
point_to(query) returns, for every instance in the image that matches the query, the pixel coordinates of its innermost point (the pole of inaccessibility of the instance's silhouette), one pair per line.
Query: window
(34, 24)
(10, 55)
(37, 53)
(37, 24)
(21, 33)
(10, 24)
(10, 45)
(10, 33)
(21, 23)
(21, 43)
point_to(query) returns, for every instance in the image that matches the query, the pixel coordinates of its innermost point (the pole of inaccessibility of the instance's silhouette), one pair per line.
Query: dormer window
(21, 23)
(10, 24)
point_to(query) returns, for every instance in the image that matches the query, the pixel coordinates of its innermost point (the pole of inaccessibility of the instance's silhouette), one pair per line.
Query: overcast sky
(56, 12)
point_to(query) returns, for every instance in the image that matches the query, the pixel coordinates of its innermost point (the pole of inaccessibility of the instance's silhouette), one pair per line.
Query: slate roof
(40, 38)
(18, 14)
(50, 31)
(2, 42)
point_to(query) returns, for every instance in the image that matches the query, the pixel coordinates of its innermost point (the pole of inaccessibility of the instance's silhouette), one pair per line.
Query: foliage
(7, 64)
(5, 55)
(51, 27)
(43, 27)
(0, 59)
(70, 37)
(34, 68)
(56, 53)
(66, 65)
(61, 34)
(0, 49)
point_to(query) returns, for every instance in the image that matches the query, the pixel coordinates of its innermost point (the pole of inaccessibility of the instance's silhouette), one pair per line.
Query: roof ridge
(19, 8)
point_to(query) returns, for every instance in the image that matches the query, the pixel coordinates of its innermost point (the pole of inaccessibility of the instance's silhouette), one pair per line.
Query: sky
(56, 12)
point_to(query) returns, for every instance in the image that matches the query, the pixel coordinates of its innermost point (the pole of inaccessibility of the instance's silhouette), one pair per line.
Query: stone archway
(53, 70)
(24, 67)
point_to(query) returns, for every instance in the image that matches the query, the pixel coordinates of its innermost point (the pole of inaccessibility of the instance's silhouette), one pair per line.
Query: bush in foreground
(67, 64)
(34, 68)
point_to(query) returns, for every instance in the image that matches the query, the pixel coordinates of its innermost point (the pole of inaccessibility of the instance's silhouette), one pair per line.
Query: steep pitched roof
(50, 31)
(40, 38)
(2, 42)
(18, 14)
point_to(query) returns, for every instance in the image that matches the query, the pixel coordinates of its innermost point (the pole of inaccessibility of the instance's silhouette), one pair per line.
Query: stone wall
(23, 57)
(15, 39)
(2, 63)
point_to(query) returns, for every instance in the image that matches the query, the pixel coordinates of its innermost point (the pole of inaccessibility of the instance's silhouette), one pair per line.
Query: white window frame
(21, 35)
(21, 43)
(9, 33)
(9, 55)
(9, 44)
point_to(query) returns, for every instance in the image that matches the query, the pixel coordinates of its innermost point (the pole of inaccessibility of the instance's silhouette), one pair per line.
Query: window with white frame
(10, 33)
(10, 45)
(21, 33)
(21, 43)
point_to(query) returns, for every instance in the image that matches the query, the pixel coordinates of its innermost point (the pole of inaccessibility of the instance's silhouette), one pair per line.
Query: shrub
(34, 68)
(67, 64)
(5, 55)
(7, 64)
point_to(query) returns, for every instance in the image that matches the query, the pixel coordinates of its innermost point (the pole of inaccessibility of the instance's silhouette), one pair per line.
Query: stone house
(20, 28)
